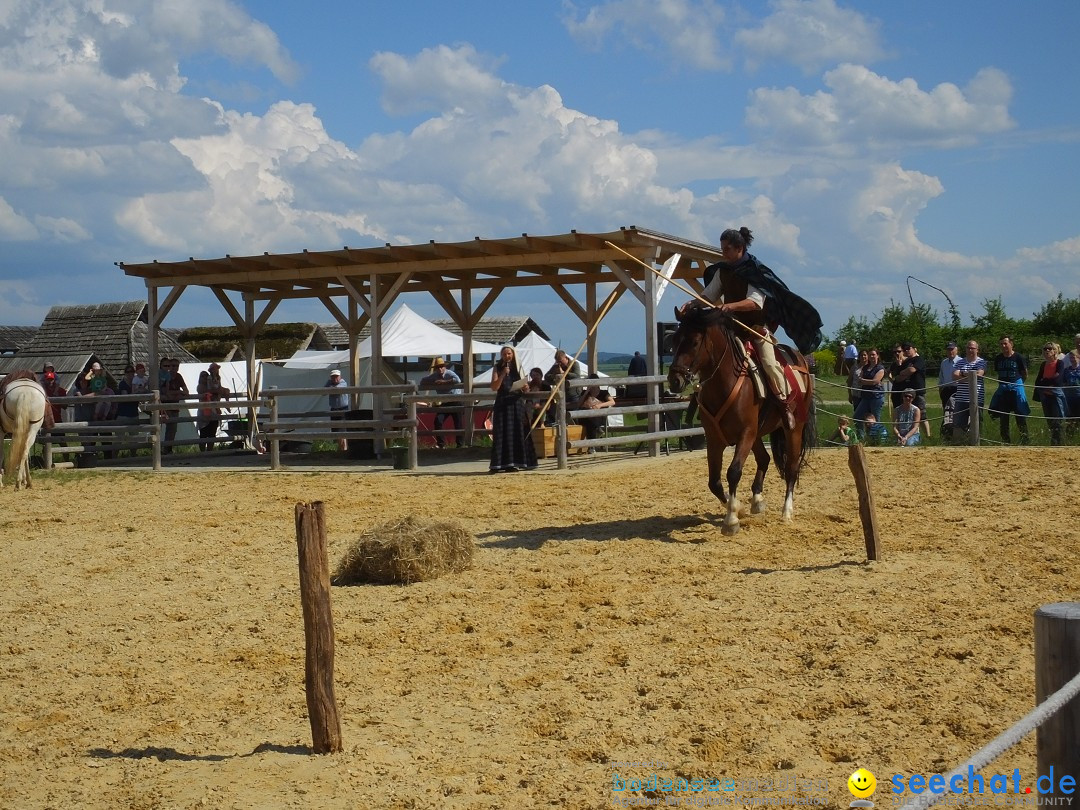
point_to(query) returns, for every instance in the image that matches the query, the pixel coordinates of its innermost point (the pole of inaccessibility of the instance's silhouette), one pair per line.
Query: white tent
(233, 377)
(270, 375)
(312, 370)
(406, 334)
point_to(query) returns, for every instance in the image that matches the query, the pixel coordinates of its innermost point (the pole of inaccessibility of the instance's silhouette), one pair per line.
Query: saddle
(792, 363)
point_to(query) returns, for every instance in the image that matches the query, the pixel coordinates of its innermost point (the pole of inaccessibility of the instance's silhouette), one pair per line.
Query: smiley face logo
(862, 784)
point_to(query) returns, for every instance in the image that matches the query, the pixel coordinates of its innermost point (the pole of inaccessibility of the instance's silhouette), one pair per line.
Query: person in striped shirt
(971, 364)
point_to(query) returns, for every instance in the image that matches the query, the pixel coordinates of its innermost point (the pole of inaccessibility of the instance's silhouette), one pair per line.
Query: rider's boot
(789, 411)
(787, 408)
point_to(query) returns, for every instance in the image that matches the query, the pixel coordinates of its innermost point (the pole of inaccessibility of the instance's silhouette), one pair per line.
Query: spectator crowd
(1053, 383)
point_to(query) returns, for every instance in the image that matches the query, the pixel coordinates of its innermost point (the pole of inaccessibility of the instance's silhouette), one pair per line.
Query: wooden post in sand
(1057, 661)
(318, 628)
(857, 463)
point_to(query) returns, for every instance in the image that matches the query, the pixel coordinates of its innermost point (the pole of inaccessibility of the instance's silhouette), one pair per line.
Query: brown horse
(712, 347)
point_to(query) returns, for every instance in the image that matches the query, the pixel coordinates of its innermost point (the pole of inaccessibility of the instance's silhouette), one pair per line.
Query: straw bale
(404, 551)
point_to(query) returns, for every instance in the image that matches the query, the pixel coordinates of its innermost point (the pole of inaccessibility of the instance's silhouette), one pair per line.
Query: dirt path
(151, 643)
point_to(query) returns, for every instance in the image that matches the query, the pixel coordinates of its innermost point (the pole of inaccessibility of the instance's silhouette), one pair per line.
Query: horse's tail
(778, 442)
(809, 432)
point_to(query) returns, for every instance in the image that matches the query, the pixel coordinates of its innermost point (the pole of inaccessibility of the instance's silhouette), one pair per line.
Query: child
(842, 434)
(876, 433)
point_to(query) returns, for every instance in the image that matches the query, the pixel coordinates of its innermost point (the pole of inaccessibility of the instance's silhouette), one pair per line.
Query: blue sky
(860, 142)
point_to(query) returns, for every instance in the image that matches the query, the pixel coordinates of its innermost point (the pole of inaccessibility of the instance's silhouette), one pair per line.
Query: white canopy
(406, 334)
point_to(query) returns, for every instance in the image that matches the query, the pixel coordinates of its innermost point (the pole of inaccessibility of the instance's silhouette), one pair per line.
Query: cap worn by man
(438, 361)
(50, 375)
(950, 345)
(905, 345)
(96, 367)
(335, 373)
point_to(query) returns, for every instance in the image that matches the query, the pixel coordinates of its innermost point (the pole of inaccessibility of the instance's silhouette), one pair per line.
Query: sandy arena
(152, 649)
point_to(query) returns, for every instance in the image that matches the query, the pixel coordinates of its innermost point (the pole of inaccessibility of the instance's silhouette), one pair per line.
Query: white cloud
(13, 225)
(19, 302)
(673, 30)
(866, 111)
(134, 38)
(732, 208)
(62, 229)
(436, 79)
(811, 34)
(106, 158)
(883, 216)
(519, 155)
(92, 104)
(253, 193)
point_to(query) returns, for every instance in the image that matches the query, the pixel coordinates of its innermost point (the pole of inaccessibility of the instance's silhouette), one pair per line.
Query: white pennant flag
(666, 272)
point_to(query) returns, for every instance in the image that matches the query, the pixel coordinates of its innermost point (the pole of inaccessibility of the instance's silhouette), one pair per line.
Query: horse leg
(715, 454)
(19, 454)
(24, 468)
(793, 442)
(757, 499)
(730, 524)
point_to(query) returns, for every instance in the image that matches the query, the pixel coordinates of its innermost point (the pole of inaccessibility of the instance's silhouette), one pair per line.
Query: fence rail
(395, 417)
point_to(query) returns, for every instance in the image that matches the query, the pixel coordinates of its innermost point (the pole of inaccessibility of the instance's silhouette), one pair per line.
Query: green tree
(1060, 317)
(854, 329)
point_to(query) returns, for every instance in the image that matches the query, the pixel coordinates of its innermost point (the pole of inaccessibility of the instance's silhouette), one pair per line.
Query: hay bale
(405, 551)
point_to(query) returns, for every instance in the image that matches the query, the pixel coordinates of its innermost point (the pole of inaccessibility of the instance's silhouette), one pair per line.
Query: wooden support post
(275, 446)
(1057, 661)
(318, 628)
(414, 439)
(857, 463)
(155, 426)
(972, 382)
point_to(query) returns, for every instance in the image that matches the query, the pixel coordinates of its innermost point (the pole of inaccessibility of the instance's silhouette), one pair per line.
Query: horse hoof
(728, 529)
(757, 508)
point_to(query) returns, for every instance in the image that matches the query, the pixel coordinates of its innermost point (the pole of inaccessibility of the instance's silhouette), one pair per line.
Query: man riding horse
(749, 291)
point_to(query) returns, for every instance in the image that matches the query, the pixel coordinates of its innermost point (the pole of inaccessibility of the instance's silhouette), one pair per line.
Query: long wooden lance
(555, 388)
(693, 294)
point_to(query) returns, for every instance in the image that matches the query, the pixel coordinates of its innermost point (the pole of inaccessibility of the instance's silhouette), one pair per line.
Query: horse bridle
(690, 371)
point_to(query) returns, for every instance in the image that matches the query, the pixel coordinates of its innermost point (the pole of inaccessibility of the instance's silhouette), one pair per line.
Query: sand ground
(152, 650)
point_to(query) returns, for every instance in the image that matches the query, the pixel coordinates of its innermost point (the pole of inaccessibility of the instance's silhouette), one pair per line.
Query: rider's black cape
(797, 315)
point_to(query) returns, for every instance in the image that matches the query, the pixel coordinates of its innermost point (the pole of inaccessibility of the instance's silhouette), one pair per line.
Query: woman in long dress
(511, 444)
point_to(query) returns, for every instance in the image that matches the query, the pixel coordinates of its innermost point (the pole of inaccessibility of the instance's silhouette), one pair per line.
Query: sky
(861, 143)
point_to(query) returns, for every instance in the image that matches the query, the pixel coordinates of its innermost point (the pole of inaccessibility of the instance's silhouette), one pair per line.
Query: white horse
(22, 411)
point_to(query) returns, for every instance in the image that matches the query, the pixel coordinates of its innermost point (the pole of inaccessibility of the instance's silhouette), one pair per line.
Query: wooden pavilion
(358, 285)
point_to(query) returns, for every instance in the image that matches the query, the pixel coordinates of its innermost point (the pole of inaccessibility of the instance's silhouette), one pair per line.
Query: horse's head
(686, 346)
